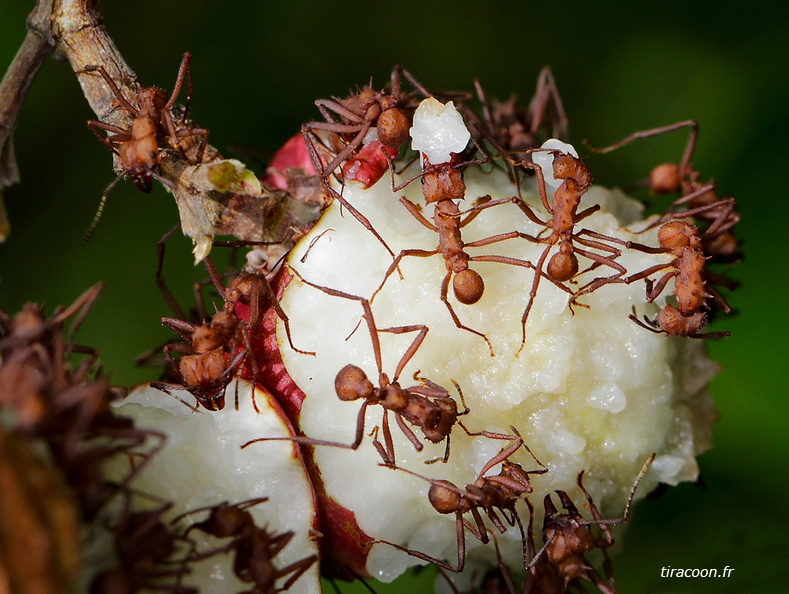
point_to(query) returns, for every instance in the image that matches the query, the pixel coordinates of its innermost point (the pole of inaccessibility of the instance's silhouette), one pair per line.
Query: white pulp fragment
(438, 130)
(544, 159)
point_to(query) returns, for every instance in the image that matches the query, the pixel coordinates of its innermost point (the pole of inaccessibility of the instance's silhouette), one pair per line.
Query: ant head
(677, 234)
(393, 125)
(352, 383)
(468, 286)
(225, 520)
(444, 497)
(562, 266)
(665, 179)
(566, 166)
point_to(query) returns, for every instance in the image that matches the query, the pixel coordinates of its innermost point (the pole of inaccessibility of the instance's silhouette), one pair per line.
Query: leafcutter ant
(568, 536)
(443, 185)
(144, 545)
(215, 350)
(138, 147)
(426, 405)
(488, 494)
(692, 283)
(698, 199)
(512, 130)
(254, 547)
(389, 114)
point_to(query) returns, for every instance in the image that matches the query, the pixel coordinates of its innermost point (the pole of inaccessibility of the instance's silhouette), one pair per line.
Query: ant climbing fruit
(426, 405)
(568, 537)
(487, 494)
(698, 200)
(215, 350)
(254, 547)
(152, 121)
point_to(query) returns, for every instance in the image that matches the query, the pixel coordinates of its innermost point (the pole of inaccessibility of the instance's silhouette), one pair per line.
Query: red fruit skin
(342, 541)
(293, 154)
(369, 164)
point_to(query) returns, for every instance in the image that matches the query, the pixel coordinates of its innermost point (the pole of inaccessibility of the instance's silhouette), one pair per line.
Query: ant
(427, 405)
(254, 547)
(488, 493)
(152, 120)
(701, 200)
(692, 283)
(215, 350)
(389, 114)
(144, 545)
(443, 185)
(512, 130)
(568, 537)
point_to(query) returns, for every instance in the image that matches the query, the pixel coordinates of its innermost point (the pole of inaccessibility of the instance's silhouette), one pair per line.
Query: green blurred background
(620, 67)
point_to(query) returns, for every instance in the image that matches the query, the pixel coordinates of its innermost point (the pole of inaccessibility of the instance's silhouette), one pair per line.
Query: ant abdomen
(393, 125)
(352, 383)
(468, 286)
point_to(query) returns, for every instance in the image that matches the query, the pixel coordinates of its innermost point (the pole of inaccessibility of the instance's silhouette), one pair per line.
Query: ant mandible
(488, 493)
(152, 120)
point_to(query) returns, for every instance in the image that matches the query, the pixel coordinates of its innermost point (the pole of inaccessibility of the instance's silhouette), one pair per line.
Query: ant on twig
(216, 349)
(254, 547)
(138, 147)
(568, 536)
(701, 200)
(427, 405)
(488, 493)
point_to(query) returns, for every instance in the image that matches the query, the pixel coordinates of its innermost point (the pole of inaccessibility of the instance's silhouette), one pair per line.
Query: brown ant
(488, 493)
(138, 146)
(443, 185)
(144, 545)
(215, 350)
(427, 405)
(568, 536)
(514, 131)
(692, 283)
(254, 547)
(701, 200)
(389, 113)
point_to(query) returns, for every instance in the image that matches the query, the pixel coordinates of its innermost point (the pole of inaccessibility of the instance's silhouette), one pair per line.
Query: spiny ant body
(698, 200)
(138, 147)
(443, 186)
(254, 547)
(426, 405)
(388, 113)
(568, 537)
(487, 494)
(214, 351)
(692, 288)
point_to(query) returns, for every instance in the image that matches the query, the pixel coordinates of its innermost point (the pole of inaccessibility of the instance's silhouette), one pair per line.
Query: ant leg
(160, 282)
(184, 71)
(133, 111)
(412, 348)
(297, 568)
(546, 95)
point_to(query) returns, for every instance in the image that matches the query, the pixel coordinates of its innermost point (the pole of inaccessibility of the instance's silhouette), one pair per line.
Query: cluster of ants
(49, 397)
(358, 141)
